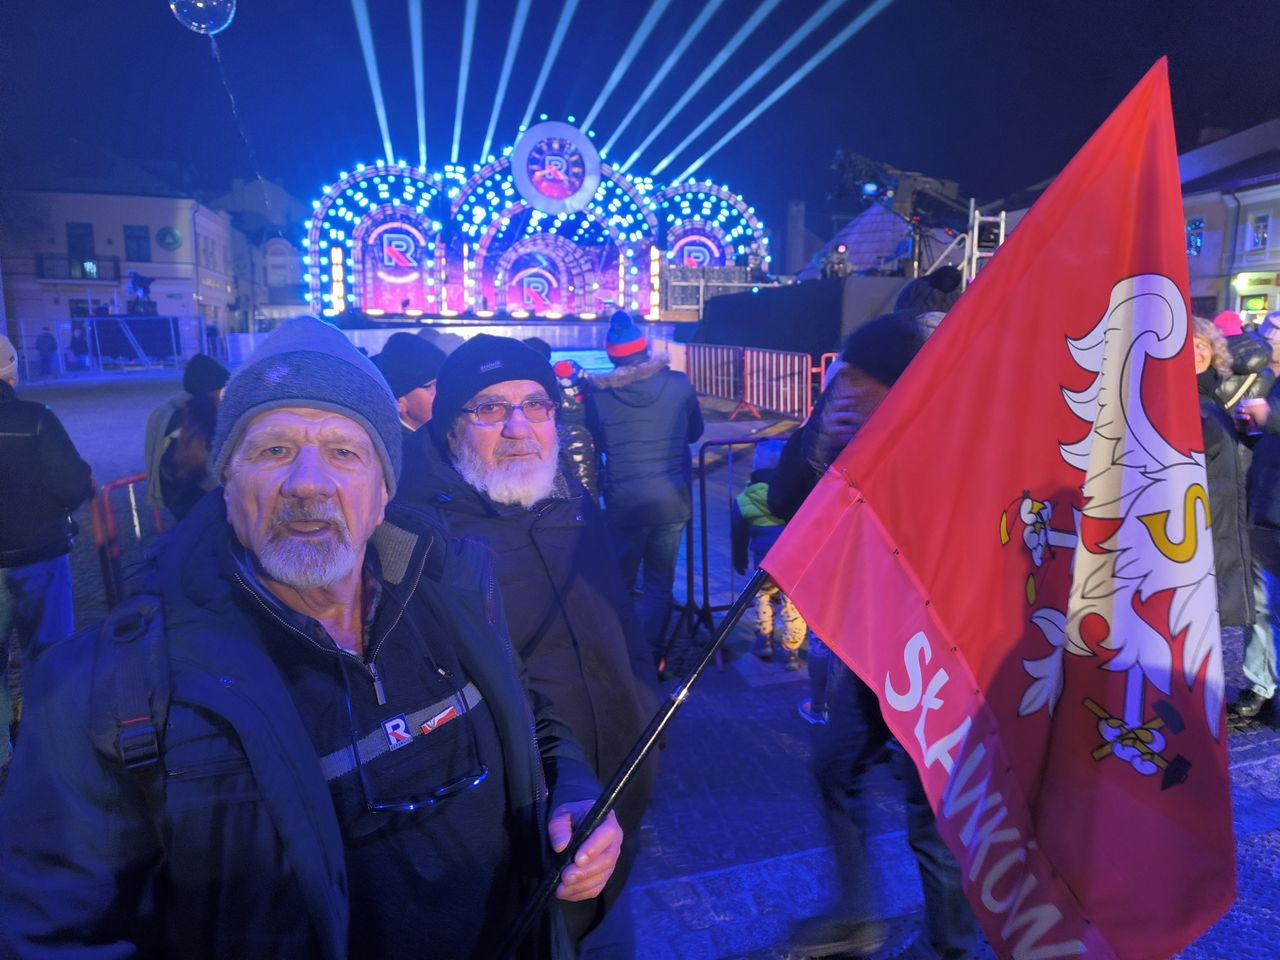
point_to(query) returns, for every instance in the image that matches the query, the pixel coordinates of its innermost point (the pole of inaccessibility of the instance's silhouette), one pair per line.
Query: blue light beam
(464, 70)
(513, 44)
(419, 78)
(832, 45)
(815, 21)
(650, 21)
(717, 62)
(361, 11)
(557, 38)
(694, 29)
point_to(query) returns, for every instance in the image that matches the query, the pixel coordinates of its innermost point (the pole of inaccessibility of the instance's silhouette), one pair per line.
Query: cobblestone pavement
(734, 848)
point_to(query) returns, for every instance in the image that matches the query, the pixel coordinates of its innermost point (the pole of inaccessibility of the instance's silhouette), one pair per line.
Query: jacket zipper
(368, 663)
(334, 650)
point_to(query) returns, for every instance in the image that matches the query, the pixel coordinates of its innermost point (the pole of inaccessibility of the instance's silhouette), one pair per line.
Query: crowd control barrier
(707, 595)
(779, 381)
(114, 500)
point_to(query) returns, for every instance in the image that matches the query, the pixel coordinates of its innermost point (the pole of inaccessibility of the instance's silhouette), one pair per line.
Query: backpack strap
(130, 693)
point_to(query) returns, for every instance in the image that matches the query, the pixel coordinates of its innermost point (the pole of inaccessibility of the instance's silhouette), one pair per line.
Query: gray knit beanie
(309, 363)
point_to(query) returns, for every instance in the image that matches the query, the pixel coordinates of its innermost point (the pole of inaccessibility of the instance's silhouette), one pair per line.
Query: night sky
(995, 95)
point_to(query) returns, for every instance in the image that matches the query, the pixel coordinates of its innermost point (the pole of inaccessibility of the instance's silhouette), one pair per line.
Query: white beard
(309, 564)
(524, 482)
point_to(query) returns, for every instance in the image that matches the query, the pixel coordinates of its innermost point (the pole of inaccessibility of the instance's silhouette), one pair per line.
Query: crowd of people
(411, 618)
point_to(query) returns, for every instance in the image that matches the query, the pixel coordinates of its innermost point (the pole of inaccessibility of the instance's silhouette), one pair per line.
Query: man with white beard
(311, 738)
(493, 475)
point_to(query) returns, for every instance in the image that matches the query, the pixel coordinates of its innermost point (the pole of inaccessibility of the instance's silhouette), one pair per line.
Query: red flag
(1014, 554)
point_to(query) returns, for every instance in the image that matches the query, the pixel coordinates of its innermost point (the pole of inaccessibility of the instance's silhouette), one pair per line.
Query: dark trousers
(852, 740)
(653, 548)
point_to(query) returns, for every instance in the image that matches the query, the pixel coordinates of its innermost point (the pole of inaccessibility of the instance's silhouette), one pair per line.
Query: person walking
(42, 481)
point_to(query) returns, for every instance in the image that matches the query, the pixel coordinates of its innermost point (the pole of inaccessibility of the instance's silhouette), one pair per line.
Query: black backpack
(130, 692)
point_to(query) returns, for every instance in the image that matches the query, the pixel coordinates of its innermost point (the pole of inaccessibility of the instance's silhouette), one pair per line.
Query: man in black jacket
(347, 764)
(643, 416)
(855, 736)
(495, 477)
(42, 479)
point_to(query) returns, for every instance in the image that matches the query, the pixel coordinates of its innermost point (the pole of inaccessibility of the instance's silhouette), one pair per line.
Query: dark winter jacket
(1250, 377)
(643, 417)
(571, 620)
(42, 479)
(1226, 467)
(244, 857)
(800, 465)
(1264, 472)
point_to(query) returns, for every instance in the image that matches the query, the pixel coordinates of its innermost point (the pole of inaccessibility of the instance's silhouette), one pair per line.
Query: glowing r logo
(398, 250)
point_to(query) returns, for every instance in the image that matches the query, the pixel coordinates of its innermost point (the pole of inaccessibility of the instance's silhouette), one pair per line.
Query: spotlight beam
(820, 15)
(361, 11)
(419, 78)
(766, 8)
(513, 44)
(832, 45)
(650, 21)
(464, 69)
(557, 38)
(694, 29)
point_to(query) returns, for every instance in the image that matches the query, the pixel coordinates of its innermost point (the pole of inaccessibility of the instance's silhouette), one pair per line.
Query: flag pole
(627, 770)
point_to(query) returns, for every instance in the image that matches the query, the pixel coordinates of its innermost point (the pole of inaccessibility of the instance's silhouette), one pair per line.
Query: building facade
(1231, 200)
(74, 254)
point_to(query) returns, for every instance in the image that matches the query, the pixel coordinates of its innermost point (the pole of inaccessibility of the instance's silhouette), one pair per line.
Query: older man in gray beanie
(322, 746)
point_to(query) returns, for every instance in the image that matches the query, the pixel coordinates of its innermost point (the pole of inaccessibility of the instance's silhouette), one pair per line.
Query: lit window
(1259, 229)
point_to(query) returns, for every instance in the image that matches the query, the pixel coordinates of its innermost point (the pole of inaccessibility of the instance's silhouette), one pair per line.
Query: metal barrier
(695, 614)
(106, 532)
(715, 370)
(824, 364)
(777, 380)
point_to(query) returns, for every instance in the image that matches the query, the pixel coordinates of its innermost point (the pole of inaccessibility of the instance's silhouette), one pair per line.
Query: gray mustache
(322, 511)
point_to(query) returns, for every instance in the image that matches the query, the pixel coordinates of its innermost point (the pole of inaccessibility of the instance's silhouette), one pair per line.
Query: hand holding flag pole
(624, 774)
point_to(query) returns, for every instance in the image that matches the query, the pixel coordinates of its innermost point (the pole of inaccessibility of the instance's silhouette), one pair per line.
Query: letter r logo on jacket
(397, 731)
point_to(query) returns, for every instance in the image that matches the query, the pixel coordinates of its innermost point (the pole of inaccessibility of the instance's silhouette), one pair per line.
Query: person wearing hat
(643, 416)
(42, 481)
(495, 476)
(336, 755)
(202, 383)
(855, 737)
(410, 364)
(184, 468)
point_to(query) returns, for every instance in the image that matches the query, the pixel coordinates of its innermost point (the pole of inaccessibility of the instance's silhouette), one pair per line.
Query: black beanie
(408, 362)
(204, 375)
(882, 348)
(481, 362)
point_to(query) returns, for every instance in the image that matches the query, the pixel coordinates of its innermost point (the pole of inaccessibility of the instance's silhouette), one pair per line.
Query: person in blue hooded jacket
(643, 417)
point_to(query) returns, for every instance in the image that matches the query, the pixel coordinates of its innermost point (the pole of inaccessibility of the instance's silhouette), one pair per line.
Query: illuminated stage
(549, 230)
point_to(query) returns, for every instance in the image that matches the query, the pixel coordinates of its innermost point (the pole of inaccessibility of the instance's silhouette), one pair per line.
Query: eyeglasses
(535, 410)
(479, 771)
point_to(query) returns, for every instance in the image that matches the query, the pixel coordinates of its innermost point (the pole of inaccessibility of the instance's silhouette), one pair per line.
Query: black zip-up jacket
(571, 621)
(42, 479)
(643, 417)
(232, 850)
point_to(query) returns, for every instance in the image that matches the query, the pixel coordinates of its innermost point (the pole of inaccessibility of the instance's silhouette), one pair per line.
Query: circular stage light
(556, 168)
